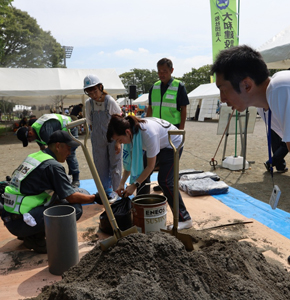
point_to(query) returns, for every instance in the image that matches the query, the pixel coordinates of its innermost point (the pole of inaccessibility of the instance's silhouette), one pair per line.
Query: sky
(129, 34)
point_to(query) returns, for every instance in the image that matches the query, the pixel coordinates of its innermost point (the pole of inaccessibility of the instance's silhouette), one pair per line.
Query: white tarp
(142, 100)
(276, 51)
(207, 95)
(42, 85)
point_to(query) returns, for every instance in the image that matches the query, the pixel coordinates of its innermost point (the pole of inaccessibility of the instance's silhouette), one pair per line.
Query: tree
(6, 106)
(4, 4)
(142, 78)
(25, 44)
(196, 77)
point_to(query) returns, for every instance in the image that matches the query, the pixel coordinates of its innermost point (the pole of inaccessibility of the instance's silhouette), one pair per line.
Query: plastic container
(61, 238)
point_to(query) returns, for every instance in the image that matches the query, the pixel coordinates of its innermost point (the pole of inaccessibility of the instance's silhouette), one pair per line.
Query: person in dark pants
(41, 130)
(38, 183)
(76, 112)
(279, 148)
(167, 98)
(150, 134)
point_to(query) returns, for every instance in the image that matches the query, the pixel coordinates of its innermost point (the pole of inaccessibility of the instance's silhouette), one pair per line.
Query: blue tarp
(242, 203)
(276, 219)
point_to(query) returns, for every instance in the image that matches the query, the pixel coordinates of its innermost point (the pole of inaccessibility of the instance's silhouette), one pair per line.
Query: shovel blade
(185, 239)
(112, 240)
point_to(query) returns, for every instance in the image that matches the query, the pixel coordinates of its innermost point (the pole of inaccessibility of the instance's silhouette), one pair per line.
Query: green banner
(224, 24)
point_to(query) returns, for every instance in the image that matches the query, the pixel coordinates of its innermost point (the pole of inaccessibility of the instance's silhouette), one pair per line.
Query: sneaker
(76, 183)
(282, 171)
(35, 243)
(157, 188)
(112, 197)
(182, 225)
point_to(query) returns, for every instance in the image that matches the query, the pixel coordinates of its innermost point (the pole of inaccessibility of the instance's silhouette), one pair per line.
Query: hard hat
(91, 80)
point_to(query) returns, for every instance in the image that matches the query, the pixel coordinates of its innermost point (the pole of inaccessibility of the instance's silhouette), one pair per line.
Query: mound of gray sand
(156, 266)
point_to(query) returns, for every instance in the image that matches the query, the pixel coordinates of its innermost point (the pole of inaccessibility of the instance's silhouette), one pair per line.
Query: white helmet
(91, 80)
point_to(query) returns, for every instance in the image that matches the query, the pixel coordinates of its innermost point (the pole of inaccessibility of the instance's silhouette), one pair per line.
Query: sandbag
(205, 186)
(210, 175)
(122, 212)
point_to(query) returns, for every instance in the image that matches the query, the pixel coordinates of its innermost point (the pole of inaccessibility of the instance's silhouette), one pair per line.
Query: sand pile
(156, 266)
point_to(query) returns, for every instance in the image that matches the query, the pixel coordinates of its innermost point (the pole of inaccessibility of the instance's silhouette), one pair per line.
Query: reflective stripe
(166, 108)
(169, 104)
(17, 207)
(172, 88)
(31, 160)
(64, 120)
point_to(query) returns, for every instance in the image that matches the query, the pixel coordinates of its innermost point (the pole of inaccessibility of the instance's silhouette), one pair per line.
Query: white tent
(276, 51)
(42, 86)
(207, 96)
(123, 101)
(142, 100)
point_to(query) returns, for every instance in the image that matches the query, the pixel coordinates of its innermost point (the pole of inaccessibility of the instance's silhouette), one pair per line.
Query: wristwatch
(137, 184)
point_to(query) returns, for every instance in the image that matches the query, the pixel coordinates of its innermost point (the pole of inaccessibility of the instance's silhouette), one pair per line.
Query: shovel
(186, 239)
(117, 233)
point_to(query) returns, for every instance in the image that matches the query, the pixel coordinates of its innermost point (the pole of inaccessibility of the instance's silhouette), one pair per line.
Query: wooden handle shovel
(118, 234)
(186, 239)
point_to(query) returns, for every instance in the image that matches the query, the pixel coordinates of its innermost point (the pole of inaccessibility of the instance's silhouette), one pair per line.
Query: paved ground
(201, 143)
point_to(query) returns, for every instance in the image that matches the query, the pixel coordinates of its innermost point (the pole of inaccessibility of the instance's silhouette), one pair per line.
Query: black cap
(22, 133)
(61, 136)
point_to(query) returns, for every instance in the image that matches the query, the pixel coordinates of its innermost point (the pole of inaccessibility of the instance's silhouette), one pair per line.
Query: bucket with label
(149, 212)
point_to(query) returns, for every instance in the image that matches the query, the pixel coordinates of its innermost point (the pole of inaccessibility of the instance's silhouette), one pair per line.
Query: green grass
(3, 130)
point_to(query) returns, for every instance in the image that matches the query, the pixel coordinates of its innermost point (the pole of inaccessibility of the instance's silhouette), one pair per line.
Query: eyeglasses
(90, 92)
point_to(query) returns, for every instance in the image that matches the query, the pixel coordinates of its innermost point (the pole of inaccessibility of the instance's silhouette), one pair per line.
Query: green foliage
(196, 77)
(273, 71)
(142, 78)
(25, 44)
(4, 4)
(5, 106)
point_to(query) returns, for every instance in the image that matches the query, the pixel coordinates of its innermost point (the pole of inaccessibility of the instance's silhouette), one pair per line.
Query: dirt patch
(156, 266)
(18, 260)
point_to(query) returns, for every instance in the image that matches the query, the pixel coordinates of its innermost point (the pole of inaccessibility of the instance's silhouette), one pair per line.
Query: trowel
(186, 239)
(117, 233)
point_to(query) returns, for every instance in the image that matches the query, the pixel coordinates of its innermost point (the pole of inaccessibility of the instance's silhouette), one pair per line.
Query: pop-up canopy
(276, 52)
(42, 86)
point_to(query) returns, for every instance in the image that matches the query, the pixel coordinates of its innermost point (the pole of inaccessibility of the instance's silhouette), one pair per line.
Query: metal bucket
(149, 212)
(61, 238)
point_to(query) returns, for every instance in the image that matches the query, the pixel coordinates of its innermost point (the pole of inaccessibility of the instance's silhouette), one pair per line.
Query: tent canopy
(208, 90)
(123, 101)
(276, 51)
(142, 100)
(42, 85)
(208, 96)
